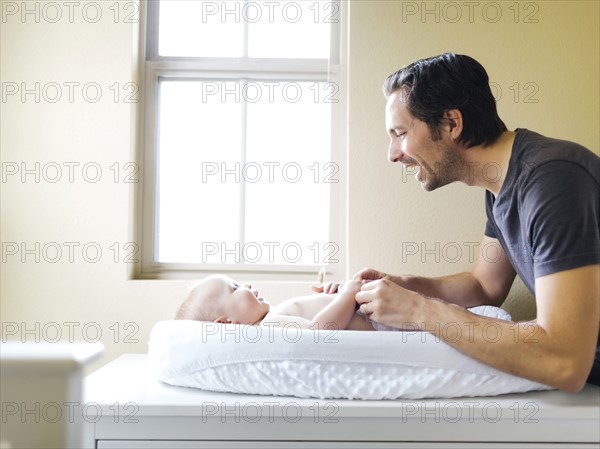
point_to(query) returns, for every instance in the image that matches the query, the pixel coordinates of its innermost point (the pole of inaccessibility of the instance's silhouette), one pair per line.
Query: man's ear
(454, 123)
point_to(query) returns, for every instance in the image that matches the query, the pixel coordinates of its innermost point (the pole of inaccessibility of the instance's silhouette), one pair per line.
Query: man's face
(411, 144)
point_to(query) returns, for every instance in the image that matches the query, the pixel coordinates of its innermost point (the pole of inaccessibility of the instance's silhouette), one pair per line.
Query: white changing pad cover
(289, 361)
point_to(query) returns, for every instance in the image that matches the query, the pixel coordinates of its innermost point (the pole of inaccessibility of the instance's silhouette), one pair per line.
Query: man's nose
(395, 154)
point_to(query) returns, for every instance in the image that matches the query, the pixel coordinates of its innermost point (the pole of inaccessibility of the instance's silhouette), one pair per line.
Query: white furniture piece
(40, 386)
(133, 410)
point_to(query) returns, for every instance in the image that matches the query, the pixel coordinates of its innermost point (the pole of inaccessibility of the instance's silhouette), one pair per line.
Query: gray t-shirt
(547, 213)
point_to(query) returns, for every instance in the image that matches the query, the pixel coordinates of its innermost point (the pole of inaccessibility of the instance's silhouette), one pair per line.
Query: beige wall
(559, 54)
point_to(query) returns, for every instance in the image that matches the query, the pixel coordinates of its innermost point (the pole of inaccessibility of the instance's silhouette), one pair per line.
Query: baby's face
(240, 303)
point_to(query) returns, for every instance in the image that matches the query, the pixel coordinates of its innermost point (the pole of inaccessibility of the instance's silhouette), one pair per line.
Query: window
(243, 161)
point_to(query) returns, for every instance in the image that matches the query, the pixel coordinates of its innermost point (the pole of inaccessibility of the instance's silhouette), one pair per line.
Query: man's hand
(369, 274)
(388, 303)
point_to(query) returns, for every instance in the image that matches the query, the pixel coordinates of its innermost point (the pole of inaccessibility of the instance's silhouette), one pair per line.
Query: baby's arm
(337, 314)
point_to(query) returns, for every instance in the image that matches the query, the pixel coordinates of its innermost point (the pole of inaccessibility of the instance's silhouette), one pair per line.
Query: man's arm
(557, 349)
(488, 283)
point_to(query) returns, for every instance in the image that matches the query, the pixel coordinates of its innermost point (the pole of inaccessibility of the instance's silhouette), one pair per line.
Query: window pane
(200, 28)
(200, 140)
(284, 29)
(290, 29)
(288, 150)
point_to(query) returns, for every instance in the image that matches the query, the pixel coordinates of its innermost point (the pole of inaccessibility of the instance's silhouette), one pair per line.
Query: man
(543, 222)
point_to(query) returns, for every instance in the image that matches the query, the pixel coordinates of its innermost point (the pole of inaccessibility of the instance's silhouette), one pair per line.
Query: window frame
(154, 67)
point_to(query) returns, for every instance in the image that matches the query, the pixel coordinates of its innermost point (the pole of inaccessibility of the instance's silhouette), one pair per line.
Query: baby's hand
(329, 287)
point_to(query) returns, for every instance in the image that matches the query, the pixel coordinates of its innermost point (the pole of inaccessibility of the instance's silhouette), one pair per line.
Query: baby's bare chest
(304, 306)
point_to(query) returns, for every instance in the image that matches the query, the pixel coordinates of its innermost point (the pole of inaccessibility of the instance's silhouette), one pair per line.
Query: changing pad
(289, 361)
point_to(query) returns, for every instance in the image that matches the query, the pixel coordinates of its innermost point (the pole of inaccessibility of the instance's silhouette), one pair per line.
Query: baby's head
(220, 299)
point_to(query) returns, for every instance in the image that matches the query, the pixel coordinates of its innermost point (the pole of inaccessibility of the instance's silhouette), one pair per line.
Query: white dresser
(135, 411)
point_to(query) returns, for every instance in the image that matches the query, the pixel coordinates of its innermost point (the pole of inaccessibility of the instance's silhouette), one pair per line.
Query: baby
(220, 299)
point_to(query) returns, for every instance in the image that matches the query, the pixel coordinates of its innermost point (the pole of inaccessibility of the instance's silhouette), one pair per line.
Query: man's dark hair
(435, 85)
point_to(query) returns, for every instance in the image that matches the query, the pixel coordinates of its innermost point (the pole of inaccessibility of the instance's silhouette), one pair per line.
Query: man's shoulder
(536, 155)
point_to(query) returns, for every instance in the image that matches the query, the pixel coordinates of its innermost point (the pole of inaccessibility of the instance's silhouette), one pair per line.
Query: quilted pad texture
(289, 361)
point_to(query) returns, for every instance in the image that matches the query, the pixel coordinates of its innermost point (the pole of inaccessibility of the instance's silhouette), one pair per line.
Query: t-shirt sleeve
(490, 228)
(560, 203)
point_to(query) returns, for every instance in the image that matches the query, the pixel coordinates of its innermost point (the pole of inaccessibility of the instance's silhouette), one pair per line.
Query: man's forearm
(462, 288)
(515, 348)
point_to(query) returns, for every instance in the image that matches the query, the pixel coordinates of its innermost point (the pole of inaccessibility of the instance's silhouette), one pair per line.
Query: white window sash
(156, 68)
